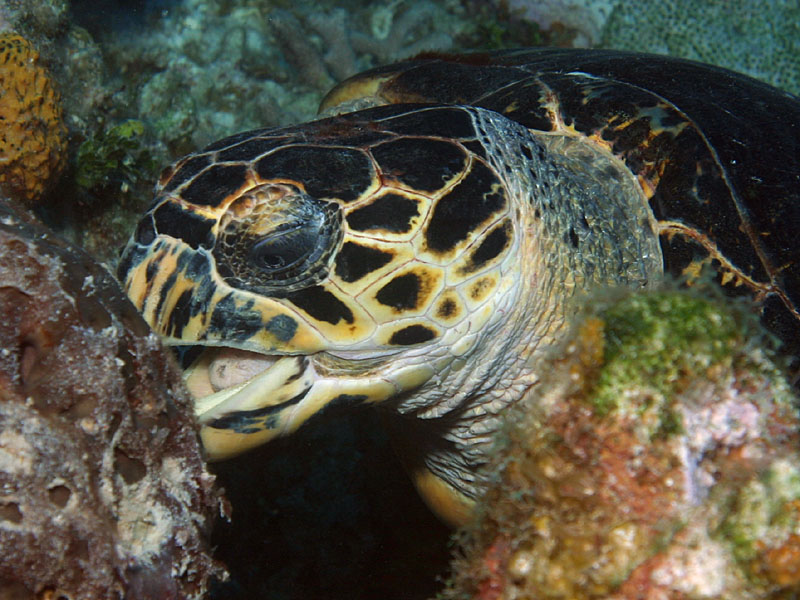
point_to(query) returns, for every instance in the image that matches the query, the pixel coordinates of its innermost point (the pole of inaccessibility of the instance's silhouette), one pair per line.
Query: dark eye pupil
(284, 249)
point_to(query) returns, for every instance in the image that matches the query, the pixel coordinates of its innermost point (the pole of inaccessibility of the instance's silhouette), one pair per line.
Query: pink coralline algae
(103, 491)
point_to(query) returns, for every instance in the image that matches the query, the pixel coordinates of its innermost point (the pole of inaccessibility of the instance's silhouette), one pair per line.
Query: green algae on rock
(659, 458)
(654, 340)
(116, 156)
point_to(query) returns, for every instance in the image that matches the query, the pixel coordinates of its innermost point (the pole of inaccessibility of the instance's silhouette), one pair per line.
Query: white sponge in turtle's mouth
(219, 368)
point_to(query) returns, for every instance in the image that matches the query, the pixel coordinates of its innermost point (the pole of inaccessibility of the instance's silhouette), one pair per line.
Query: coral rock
(103, 491)
(33, 136)
(659, 459)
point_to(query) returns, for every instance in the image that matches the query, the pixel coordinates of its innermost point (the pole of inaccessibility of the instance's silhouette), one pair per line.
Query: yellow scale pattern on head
(414, 292)
(444, 289)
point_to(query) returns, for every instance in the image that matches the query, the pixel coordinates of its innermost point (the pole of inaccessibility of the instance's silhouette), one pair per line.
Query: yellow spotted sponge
(32, 133)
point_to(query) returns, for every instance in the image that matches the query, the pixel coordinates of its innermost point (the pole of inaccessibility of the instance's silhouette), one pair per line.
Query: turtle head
(358, 259)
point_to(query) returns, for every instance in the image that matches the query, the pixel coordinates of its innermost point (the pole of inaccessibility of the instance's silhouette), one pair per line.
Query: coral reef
(760, 38)
(103, 492)
(587, 18)
(249, 65)
(658, 459)
(33, 148)
(39, 22)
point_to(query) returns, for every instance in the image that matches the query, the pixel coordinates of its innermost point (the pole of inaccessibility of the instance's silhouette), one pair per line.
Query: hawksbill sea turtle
(424, 245)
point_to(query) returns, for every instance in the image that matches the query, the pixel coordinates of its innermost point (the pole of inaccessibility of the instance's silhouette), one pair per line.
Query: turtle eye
(277, 239)
(286, 248)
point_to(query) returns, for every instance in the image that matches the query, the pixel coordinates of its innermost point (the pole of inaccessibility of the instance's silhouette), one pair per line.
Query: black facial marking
(282, 327)
(401, 293)
(131, 258)
(162, 295)
(420, 163)
(413, 334)
(480, 287)
(170, 219)
(183, 310)
(354, 261)
(153, 267)
(447, 308)
(195, 265)
(476, 148)
(491, 247)
(301, 368)
(320, 304)
(191, 167)
(326, 172)
(348, 400)
(478, 196)
(253, 421)
(390, 212)
(213, 186)
(232, 322)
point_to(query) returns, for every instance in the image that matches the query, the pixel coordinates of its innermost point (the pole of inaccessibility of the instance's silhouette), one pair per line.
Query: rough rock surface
(658, 461)
(103, 491)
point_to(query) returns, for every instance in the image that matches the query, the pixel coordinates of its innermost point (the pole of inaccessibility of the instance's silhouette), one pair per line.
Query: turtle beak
(265, 396)
(244, 399)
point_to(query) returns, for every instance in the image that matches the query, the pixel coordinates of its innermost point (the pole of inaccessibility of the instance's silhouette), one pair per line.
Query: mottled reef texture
(103, 492)
(658, 460)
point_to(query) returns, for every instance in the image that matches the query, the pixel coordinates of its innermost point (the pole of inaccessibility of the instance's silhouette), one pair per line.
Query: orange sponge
(32, 133)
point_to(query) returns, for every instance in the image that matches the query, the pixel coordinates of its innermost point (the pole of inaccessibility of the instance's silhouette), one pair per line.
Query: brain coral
(32, 137)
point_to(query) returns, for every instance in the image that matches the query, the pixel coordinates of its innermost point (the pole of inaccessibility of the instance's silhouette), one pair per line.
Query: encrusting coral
(658, 460)
(32, 136)
(103, 491)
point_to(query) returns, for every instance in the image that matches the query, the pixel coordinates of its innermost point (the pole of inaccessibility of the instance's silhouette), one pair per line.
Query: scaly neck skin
(582, 223)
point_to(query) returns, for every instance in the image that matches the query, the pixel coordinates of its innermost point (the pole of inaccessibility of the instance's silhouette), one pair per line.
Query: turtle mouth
(224, 380)
(218, 368)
